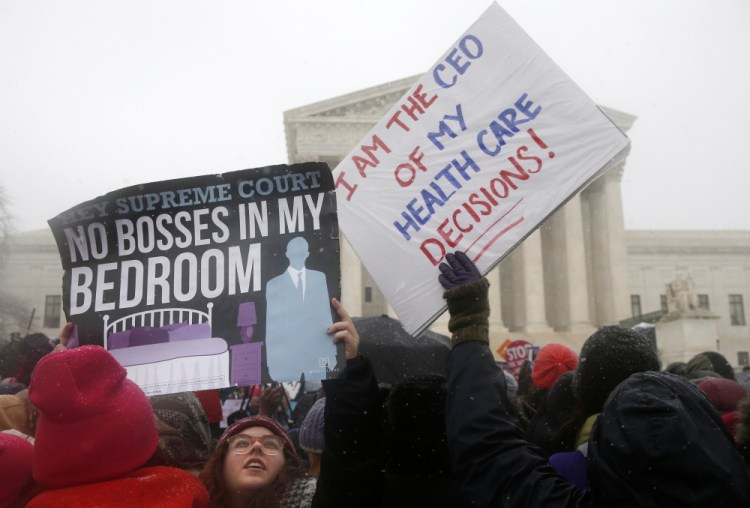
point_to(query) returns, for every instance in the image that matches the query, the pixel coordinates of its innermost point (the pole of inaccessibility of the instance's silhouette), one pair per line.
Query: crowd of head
(605, 426)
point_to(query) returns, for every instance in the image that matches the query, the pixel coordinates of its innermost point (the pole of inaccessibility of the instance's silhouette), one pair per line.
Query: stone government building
(579, 271)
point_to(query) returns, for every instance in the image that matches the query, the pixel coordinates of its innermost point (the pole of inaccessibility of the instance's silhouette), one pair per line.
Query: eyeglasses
(270, 445)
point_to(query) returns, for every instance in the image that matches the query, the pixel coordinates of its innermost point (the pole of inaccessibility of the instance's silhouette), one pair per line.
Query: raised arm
(351, 466)
(494, 463)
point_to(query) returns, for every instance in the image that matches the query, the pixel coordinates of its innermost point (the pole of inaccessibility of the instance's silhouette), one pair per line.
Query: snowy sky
(95, 96)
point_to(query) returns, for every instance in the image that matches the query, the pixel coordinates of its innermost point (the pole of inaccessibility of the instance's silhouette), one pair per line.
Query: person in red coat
(96, 436)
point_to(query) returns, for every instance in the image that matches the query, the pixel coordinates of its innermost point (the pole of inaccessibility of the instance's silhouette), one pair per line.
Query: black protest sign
(181, 268)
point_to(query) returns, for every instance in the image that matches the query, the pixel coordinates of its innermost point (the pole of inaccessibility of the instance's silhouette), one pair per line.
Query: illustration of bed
(169, 350)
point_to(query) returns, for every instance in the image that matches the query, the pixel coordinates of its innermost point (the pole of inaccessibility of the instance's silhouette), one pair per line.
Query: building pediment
(368, 105)
(371, 108)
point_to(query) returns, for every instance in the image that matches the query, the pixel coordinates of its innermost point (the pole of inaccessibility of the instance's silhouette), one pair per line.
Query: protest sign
(486, 145)
(209, 281)
(517, 353)
(501, 349)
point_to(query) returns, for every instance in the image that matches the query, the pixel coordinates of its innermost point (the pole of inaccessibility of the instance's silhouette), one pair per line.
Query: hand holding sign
(344, 331)
(457, 271)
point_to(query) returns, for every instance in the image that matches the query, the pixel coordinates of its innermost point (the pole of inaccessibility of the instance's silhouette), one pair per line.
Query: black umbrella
(395, 354)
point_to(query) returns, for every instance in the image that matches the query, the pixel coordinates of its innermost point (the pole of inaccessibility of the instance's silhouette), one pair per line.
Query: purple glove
(457, 270)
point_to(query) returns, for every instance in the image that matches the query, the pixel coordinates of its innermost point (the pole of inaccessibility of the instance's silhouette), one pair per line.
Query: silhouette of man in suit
(298, 313)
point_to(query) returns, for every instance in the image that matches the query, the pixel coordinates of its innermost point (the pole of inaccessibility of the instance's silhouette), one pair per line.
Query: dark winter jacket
(351, 472)
(491, 458)
(355, 470)
(658, 441)
(495, 464)
(547, 428)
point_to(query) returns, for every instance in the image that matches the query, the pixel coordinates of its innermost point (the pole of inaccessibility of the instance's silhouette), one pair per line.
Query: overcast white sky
(95, 96)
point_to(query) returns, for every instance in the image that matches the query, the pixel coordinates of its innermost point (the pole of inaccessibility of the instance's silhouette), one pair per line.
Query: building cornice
(685, 242)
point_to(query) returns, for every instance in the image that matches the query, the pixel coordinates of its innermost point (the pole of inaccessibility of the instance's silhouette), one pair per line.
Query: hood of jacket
(660, 442)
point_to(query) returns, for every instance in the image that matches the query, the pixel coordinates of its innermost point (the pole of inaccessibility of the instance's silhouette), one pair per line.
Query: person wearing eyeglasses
(255, 464)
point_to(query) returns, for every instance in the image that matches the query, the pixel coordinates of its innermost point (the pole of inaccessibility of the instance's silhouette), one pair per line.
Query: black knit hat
(608, 357)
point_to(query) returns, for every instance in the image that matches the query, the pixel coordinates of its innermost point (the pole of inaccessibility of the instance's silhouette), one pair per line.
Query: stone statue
(681, 297)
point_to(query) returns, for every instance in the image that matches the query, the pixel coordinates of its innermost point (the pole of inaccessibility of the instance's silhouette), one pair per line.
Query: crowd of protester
(606, 426)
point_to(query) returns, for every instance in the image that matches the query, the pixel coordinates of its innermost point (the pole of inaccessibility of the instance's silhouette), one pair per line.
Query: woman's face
(245, 472)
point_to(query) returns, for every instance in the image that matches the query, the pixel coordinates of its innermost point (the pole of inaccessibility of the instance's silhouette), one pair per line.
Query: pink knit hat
(94, 423)
(15, 466)
(552, 362)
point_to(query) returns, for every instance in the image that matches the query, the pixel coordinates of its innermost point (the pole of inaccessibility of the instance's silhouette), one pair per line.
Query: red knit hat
(724, 394)
(94, 423)
(15, 466)
(259, 421)
(552, 362)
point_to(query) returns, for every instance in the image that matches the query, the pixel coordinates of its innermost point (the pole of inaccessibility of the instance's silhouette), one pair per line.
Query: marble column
(497, 327)
(573, 292)
(507, 293)
(607, 248)
(530, 316)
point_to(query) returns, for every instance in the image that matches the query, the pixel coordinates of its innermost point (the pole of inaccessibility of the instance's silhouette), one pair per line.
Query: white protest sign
(486, 145)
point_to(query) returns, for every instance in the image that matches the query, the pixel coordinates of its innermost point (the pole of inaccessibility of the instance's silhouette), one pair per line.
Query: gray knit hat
(184, 433)
(311, 433)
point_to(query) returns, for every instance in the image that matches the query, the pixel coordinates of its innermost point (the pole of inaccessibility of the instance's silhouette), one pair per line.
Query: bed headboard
(156, 318)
